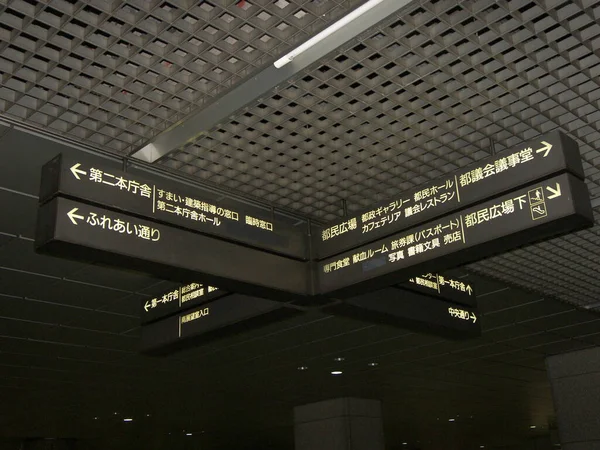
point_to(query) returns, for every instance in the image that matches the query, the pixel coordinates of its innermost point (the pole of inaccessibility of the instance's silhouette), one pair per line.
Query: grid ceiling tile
(432, 89)
(117, 73)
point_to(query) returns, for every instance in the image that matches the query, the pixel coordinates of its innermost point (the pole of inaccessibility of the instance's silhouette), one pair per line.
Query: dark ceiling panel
(19, 254)
(20, 219)
(425, 93)
(112, 278)
(129, 305)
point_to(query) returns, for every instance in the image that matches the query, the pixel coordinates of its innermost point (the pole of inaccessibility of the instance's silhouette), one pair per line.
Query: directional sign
(74, 217)
(511, 169)
(179, 299)
(79, 231)
(534, 213)
(442, 287)
(92, 180)
(413, 311)
(230, 314)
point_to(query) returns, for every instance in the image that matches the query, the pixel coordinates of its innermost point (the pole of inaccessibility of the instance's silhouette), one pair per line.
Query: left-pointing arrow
(146, 306)
(74, 216)
(76, 171)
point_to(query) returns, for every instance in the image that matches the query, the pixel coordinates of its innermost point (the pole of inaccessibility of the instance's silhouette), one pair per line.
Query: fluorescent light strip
(327, 32)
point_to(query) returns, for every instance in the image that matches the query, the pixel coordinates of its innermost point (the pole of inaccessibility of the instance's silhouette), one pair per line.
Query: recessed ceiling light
(373, 364)
(303, 368)
(339, 359)
(451, 420)
(147, 415)
(188, 434)
(95, 418)
(533, 427)
(127, 420)
(336, 372)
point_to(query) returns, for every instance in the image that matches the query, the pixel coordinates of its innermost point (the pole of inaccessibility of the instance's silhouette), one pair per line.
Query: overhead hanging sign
(178, 299)
(90, 233)
(94, 180)
(230, 314)
(442, 286)
(540, 211)
(535, 160)
(413, 311)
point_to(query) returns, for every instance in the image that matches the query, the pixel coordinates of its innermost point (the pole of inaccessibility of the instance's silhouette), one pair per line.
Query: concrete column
(575, 379)
(339, 424)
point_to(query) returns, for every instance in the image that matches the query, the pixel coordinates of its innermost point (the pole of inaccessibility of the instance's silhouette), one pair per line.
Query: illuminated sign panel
(98, 214)
(510, 169)
(90, 233)
(178, 299)
(442, 286)
(195, 302)
(229, 314)
(413, 311)
(539, 211)
(92, 180)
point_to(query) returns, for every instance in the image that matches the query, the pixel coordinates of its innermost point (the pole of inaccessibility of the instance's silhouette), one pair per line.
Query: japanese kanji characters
(338, 229)
(500, 165)
(259, 223)
(494, 211)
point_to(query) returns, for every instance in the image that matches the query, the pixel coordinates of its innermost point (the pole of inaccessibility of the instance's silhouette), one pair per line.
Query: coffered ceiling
(435, 87)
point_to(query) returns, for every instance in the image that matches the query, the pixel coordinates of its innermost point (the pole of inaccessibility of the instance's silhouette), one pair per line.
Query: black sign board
(178, 299)
(542, 210)
(230, 314)
(80, 231)
(98, 214)
(93, 181)
(413, 311)
(442, 286)
(511, 169)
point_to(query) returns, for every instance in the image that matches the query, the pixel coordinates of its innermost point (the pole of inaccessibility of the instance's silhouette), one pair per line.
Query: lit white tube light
(327, 32)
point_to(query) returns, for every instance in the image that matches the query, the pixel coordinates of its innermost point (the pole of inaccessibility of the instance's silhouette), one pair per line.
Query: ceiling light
(327, 32)
(303, 368)
(451, 420)
(336, 372)
(533, 427)
(373, 364)
(339, 359)
(188, 434)
(127, 420)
